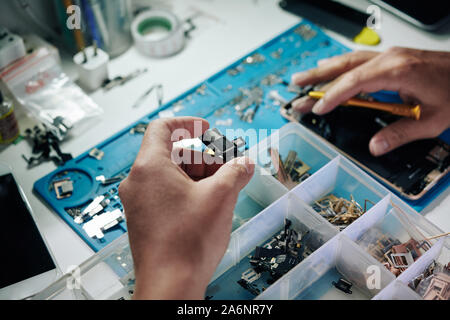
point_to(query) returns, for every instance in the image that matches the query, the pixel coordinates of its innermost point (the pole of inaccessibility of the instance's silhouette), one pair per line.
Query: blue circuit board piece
(267, 69)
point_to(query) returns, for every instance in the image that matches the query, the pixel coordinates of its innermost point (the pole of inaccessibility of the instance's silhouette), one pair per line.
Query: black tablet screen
(427, 12)
(24, 254)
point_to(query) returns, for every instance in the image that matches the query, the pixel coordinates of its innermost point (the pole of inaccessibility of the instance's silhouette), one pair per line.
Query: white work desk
(239, 27)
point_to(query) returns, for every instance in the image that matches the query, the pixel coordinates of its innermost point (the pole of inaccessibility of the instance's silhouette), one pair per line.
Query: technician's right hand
(179, 216)
(419, 77)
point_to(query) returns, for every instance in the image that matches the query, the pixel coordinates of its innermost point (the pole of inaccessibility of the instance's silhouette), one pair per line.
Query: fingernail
(379, 146)
(247, 163)
(323, 61)
(298, 77)
(318, 107)
(296, 103)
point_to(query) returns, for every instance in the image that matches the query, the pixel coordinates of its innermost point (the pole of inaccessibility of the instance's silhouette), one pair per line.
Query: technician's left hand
(179, 217)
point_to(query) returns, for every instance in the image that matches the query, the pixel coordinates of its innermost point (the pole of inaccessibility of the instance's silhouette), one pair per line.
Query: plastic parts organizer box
(342, 254)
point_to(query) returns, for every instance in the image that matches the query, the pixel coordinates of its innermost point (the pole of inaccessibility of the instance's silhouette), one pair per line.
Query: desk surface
(232, 29)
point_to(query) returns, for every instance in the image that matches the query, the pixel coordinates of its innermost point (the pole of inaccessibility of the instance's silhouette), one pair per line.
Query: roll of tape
(158, 33)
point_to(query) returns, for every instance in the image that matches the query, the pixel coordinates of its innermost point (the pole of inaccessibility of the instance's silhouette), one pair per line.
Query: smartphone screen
(24, 254)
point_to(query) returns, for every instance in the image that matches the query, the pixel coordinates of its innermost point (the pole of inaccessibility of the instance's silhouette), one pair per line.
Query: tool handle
(394, 108)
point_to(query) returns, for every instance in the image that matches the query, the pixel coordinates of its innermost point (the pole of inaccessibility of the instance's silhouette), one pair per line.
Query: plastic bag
(39, 84)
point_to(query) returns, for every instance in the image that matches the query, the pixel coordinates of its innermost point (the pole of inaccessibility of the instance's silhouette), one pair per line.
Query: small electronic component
(254, 59)
(291, 171)
(63, 188)
(139, 128)
(96, 154)
(235, 71)
(96, 227)
(221, 146)
(306, 32)
(339, 211)
(43, 142)
(433, 283)
(95, 207)
(282, 253)
(343, 285)
(393, 254)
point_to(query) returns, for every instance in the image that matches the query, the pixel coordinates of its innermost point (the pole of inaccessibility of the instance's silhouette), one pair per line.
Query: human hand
(420, 77)
(179, 216)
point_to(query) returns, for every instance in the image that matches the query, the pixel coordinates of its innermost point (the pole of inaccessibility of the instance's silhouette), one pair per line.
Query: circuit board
(245, 95)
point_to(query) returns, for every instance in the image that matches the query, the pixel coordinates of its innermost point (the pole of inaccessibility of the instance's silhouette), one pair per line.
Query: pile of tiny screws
(339, 211)
(291, 171)
(248, 98)
(306, 32)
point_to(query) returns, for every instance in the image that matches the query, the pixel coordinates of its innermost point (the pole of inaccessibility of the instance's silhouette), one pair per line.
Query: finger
(231, 177)
(333, 67)
(397, 134)
(197, 165)
(369, 77)
(162, 133)
(304, 104)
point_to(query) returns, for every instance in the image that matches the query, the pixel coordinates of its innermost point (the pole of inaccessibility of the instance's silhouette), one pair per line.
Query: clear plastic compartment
(259, 231)
(113, 265)
(397, 291)
(310, 150)
(400, 289)
(342, 179)
(390, 224)
(339, 258)
(261, 191)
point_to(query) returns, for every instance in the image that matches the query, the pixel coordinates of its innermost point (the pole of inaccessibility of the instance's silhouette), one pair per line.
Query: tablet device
(27, 266)
(429, 15)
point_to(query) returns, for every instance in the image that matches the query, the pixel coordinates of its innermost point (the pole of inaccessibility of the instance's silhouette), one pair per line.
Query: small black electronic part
(44, 144)
(63, 188)
(253, 289)
(276, 257)
(96, 154)
(74, 212)
(343, 285)
(221, 146)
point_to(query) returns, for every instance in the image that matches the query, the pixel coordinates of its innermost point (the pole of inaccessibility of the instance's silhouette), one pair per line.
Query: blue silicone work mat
(269, 67)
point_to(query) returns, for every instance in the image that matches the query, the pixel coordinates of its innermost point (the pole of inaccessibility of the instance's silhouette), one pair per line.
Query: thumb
(232, 176)
(397, 134)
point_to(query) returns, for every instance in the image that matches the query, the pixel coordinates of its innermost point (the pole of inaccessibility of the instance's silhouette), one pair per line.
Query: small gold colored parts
(291, 171)
(340, 211)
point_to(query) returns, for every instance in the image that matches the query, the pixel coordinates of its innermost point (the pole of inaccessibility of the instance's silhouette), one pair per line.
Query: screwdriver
(394, 108)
